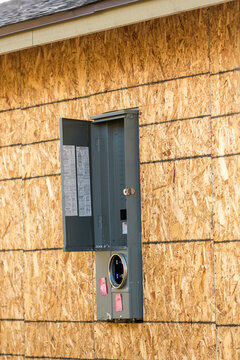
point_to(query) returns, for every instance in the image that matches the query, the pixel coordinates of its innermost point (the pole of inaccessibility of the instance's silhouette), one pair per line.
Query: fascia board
(108, 19)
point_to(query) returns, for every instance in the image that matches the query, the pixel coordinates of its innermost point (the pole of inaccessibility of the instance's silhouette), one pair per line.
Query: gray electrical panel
(101, 206)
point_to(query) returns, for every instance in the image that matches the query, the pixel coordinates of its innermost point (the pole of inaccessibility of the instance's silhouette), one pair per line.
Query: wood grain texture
(10, 127)
(225, 93)
(53, 72)
(41, 159)
(11, 337)
(174, 140)
(175, 99)
(179, 285)
(10, 90)
(5, 357)
(154, 341)
(224, 36)
(11, 284)
(176, 196)
(170, 100)
(58, 286)
(228, 343)
(42, 209)
(59, 340)
(226, 135)
(227, 268)
(10, 162)
(42, 123)
(113, 101)
(176, 200)
(226, 197)
(11, 233)
(150, 51)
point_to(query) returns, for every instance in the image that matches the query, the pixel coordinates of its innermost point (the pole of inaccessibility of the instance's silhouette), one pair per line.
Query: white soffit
(104, 20)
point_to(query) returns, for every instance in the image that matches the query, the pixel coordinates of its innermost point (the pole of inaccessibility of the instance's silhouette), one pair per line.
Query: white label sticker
(70, 181)
(124, 228)
(83, 177)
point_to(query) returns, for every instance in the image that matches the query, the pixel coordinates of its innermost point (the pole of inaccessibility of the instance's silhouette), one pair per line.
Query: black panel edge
(62, 182)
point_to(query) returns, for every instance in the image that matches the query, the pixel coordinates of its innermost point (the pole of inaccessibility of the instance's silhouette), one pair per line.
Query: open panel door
(76, 185)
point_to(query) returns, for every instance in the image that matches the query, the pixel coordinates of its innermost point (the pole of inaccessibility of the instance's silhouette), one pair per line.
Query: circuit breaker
(101, 206)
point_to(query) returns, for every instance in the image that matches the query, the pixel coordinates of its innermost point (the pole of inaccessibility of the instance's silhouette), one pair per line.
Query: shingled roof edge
(66, 15)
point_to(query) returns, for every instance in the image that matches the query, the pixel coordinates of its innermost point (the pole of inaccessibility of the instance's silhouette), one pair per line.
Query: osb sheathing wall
(182, 72)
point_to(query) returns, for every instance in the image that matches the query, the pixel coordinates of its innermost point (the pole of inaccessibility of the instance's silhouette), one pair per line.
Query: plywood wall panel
(53, 72)
(10, 127)
(11, 233)
(228, 343)
(11, 284)
(225, 89)
(10, 162)
(176, 200)
(227, 268)
(225, 36)
(154, 50)
(74, 340)
(11, 337)
(10, 81)
(114, 100)
(58, 286)
(42, 208)
(226, 135)
(226, 175)
(179, 285)
(6, 357)
(175, 139)
(170, 47)
(41, 159)
(154, 341)
(42, 123)
(173, 100)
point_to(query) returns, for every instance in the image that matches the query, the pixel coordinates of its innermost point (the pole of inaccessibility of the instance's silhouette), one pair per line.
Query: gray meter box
(101, 206)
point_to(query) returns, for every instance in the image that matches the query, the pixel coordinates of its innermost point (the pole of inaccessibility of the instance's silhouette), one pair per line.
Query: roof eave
(111, 16)
(63, 16)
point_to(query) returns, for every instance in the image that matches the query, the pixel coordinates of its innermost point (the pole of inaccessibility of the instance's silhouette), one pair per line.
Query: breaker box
(101, 206)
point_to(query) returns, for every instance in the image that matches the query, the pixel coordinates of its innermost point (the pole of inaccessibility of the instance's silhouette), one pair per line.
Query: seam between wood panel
(41, 142)
(143, 243)
(141, 125)
(225, 155)
(174, 120)
(8, 110)
(227, 241)
(118, 89)
(31, 143)
(176, 159)
(212, 194)
(140, 322)
(225, 115)
(40, 176)
(21, 320)
(175, 241)
(225, 71)
(22, 211)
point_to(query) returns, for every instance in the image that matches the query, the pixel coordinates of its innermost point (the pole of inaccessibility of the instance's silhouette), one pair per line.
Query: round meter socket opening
(117, 270)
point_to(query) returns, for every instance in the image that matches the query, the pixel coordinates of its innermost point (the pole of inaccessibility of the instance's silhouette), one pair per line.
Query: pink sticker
(118, 302)
(103, 286)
